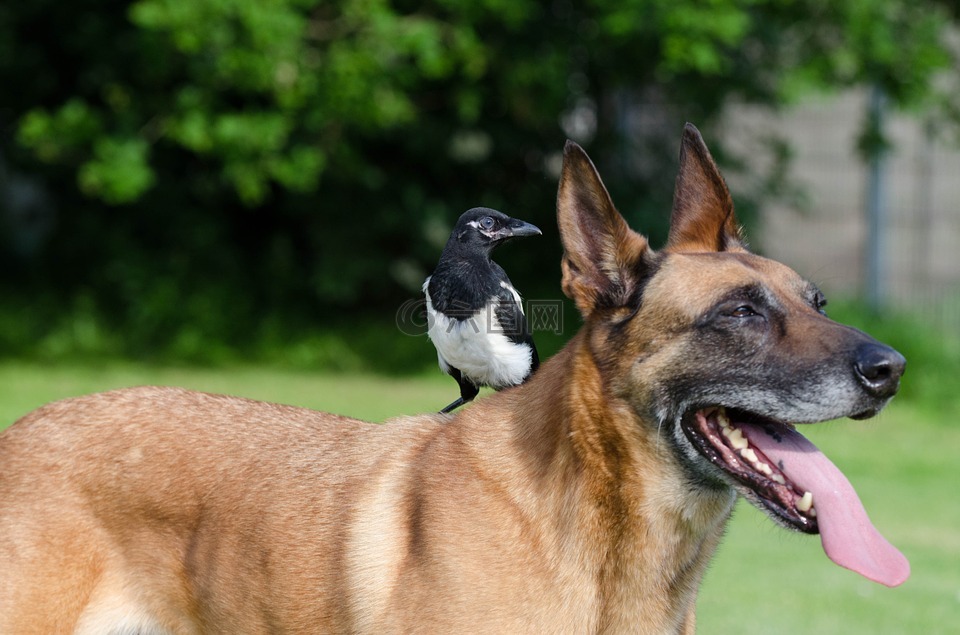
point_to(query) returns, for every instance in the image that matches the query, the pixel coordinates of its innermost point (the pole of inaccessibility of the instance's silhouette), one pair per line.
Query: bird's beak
(517, 228)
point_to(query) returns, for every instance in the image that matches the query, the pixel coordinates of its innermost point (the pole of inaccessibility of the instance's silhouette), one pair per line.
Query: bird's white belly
(478, 347)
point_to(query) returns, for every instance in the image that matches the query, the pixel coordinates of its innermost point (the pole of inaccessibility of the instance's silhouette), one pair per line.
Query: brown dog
(587, 500)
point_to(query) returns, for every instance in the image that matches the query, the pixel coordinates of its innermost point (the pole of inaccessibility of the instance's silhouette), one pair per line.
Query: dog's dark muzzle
(878, 369)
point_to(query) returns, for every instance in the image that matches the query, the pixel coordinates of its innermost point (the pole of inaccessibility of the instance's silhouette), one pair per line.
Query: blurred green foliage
(221, 176)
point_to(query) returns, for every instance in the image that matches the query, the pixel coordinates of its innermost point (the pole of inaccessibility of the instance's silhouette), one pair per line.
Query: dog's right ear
(703, 217)
(603, 259)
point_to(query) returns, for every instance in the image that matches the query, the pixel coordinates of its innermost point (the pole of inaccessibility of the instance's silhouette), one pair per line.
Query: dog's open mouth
(792, 480)
(724, 443)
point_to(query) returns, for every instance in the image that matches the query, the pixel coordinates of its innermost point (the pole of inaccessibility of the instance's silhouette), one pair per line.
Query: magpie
(474, 315)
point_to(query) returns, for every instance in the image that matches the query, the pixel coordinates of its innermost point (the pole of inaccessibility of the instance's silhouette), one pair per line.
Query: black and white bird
(474, 315)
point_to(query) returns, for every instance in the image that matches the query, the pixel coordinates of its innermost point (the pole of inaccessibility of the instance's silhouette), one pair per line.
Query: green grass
(763, 580)
(24, 386)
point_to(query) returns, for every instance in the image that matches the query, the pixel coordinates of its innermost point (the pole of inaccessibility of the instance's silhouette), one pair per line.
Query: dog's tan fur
(561, 506)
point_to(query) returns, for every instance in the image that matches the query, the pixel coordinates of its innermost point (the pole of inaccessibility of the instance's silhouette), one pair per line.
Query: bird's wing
(513, 323)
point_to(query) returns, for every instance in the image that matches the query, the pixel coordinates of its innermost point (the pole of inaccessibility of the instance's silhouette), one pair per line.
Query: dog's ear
(603, 259)
(703, 218)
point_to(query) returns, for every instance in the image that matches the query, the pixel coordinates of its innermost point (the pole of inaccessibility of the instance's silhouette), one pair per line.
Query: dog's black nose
(879, 369)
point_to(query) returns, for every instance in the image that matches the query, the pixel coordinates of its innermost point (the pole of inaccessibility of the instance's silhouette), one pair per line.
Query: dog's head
(720, 352)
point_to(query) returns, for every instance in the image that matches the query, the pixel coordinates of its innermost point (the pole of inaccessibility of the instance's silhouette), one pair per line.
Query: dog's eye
(742, 311)
(487, 223)
(819, 302)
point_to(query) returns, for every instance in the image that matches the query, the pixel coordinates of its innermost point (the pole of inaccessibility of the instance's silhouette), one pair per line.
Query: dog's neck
(618, 496)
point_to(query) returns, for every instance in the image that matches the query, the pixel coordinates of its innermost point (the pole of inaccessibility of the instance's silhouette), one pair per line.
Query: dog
(587, 500)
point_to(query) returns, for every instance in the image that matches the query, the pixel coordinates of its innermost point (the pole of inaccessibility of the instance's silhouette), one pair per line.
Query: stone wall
(823, 233)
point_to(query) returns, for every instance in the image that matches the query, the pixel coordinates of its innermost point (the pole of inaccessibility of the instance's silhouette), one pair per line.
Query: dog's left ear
(703, 218)
(603, 260)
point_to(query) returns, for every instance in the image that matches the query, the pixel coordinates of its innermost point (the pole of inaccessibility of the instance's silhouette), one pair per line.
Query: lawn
(763, 580)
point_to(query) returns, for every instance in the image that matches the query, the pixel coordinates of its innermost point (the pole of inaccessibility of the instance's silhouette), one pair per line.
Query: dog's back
(274, 515)
(164, 520)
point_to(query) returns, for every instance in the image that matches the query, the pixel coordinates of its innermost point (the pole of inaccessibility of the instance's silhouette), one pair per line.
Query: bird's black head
(481, 229)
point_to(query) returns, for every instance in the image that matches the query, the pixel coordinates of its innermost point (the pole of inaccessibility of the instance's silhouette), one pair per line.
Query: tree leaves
(118, 172)
(270, 90)
(292, 153)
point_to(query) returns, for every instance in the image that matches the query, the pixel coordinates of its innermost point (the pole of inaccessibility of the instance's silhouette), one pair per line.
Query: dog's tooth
(805, 502)
(812, 513)
(749, 455)
(737, 440)
(778, 478)
(763, 467)
(722, 417)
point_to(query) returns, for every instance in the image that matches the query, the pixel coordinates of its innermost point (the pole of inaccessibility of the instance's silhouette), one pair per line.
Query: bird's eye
(487, 223)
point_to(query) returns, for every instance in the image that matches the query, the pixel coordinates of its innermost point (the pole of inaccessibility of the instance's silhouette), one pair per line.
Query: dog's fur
(571, 504)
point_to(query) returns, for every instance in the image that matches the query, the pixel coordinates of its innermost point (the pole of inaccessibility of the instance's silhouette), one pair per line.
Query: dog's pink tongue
(847, 535)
